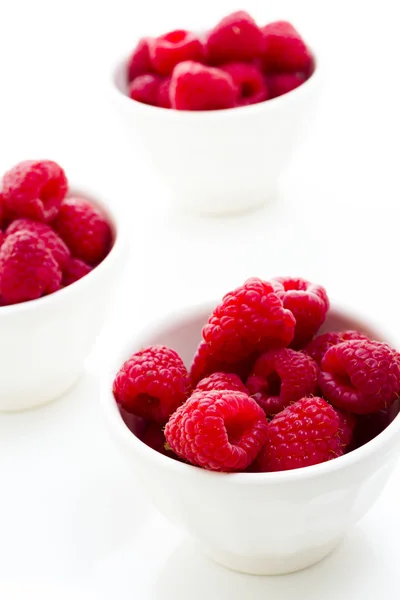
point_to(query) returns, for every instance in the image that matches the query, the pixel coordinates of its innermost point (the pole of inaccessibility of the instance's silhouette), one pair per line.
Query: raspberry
(136, 425)
(74, 270)
(222, 381)
(174, 47)
(305, 433)
(250, 319)
(250, 82)
(163, 99)
(369, 426)
(152, 383)
(2, 215)
(84, 229)
(204, 365)
(197, 87)
(284, 49)
(145, 89)
(352, 334)
(50, 239)
(28, 269)
(280, 377)
(318, 347)
(309, 304)
(154, 437)
(139, 61)
(282, 83)
(34, 189)
(347, 423)
(360, 376)
(235, 38)
(219, 430)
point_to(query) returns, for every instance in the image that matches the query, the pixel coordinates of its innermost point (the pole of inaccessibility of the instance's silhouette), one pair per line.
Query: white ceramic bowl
(44, 342)
(223, 161)
(257, 523)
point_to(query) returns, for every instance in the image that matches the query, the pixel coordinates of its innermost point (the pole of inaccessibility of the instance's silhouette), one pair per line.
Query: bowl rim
(119, 242)
(116, 424)
(273, 103)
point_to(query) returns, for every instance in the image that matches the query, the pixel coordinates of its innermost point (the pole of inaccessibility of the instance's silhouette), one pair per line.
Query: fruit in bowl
(289, 409)
(264, 387)
(61, 250)
(236, 63)
(49, 237)
(212, 112)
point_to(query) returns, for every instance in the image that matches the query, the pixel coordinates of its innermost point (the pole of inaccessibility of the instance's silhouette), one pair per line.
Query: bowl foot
(206, 205)
(272, 564)
(31, 399)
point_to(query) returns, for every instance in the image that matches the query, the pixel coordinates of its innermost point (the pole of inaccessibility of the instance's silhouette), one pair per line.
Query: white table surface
(69, 511)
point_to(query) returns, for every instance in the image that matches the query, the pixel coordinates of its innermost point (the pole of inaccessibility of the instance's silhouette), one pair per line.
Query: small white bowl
(257, 523)
(44, 342)
(222, 161)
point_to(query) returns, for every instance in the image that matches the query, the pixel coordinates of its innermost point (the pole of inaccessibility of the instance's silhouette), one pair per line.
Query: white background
(69, 511)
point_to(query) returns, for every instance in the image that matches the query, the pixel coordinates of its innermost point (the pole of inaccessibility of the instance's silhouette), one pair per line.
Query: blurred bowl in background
(222, 161)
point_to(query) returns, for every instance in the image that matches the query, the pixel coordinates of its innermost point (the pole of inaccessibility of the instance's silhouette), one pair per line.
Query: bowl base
(31, 401)
(273, 564)
(220, 206)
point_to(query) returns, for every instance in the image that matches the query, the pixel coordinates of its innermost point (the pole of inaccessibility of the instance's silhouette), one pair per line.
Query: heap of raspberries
(265, 391)
(236, 63)
(49, 238)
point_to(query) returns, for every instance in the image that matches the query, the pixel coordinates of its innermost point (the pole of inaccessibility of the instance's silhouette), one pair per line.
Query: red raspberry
(136, 425)
(145, 89)
(352, 334)
(34, 189)
(152, 383)
(235, 38)
(305, 433)
(280, 377)
(282, 83)
(347, 423)
(174, 47)
(163, 99)
(250, 82)
(284, 49)
(154, 437)
(84, 229)
(369, 426)
(28, 269)
(219, 430)
(139, 61)
(318, 347)
(250, 319)
(74, 270)
(204, 364)
(1, 210)
(50, 239)
(309, 304)
(222, 381)
(197, 87)
(360, 376)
